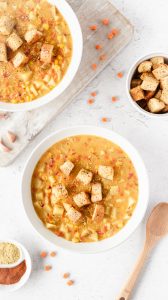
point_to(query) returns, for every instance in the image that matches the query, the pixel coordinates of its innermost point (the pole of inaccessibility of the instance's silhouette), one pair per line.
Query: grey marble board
(28, 124)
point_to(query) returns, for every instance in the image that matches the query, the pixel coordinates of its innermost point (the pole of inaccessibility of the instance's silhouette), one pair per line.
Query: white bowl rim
(128, 83)
(140, 209)
(25, 277)
(76, 32)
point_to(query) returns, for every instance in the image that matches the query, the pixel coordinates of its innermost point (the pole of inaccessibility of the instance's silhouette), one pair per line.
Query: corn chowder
(35, 49)
(84, 189)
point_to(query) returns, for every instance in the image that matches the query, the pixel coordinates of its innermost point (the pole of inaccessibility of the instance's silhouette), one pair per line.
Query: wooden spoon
(157, 227)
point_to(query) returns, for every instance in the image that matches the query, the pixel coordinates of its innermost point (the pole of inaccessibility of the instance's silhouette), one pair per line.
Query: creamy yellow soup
(88, 205)
(39, 68)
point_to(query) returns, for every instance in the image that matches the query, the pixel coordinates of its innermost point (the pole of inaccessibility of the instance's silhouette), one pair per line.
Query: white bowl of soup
(85, 189)
(40, 52)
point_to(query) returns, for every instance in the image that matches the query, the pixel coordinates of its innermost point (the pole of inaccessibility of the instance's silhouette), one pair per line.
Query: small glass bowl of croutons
(147, 85)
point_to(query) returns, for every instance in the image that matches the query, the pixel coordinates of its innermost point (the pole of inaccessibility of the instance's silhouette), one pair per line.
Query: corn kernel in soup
(84, 189)
(35, 49)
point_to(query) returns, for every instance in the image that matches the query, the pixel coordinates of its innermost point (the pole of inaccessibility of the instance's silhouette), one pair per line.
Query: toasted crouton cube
(59, 191)
(149, 83)
(19, 59)
(158, 60)
(137, 93)
(164, 96)
(158, 94)
(14, 41)
(46, 53)
(6, 25)
(161, 71)
(84, 176)
(67, 167)
(98, 213)
(114, 190)
(96, 192)
(146, 75)
(81, 199)
(3, 52)
(32, 36)
(164, 83)
(155, 105)
(145, 66)
(73, 214)
(106, 172)
(3, 5)
(135, 82)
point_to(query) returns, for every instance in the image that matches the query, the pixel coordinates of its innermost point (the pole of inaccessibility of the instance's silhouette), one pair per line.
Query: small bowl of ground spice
(15, 265)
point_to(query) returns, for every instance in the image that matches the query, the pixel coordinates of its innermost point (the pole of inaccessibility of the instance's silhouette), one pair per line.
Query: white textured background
(100, 276)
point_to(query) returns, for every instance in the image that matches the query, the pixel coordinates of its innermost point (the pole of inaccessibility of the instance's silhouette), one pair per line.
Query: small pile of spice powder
(9, 253)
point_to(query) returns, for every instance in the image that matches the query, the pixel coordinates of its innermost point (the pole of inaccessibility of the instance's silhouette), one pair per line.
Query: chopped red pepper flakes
(70, 282)
(53, 254)
(114, 99)
(102, 57)
(120, 75)
(106, 21)
(43, 254)
(66, 275)
(90, 101)
(105, 120)
(47, 268)
(93, 94)
(93, 27)
(94, 66)
(98, 47)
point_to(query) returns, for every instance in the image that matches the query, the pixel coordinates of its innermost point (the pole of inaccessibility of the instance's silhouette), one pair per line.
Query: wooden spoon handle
(126, 292)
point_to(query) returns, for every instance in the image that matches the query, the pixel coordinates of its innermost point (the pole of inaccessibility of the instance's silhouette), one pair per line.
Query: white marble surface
(100, 276)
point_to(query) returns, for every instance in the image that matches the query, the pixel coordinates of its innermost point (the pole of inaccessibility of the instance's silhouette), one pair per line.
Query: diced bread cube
(14, 41)
(146, 75)
(81, 199)
(6, 25)
(19, 59)
(3, 5)
(73, 214)
(164, 83)
(158, 94)
(155, 105)
(157, 60)
(149, 95)
(161, 71)
(46, 53)
(114, 190)
(98, 213)
(67, 167)
(96, 192)
(59, 191)
(137, 93)
(32, 36)
(3, 52)
(58, 210)
(149, 83)
(145, 66)
(84, 176)
(164, 96)
(135, 82)
(106, 172)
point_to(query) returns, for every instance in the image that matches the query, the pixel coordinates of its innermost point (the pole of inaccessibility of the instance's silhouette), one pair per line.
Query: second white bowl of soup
(85, 189)
(41, 50)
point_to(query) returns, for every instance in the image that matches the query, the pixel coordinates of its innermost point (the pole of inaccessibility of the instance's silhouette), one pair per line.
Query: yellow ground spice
(9, 253)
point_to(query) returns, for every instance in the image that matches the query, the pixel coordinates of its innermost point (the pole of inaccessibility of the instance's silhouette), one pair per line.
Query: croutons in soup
(84, 188)
(35, 49)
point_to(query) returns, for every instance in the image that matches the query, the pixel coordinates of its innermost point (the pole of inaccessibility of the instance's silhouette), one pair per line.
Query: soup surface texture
(35, 49)
(84, 188)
